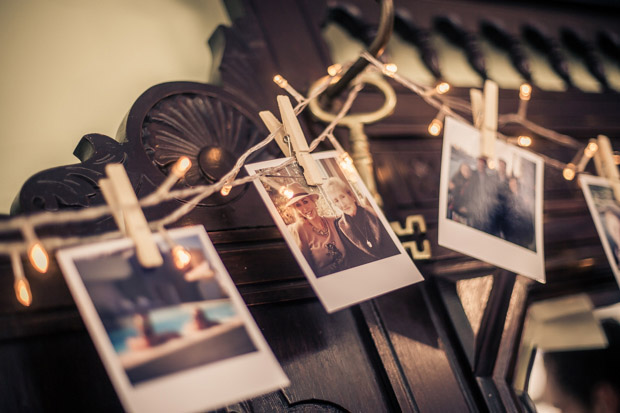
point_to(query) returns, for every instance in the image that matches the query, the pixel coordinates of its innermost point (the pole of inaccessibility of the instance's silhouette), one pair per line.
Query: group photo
(498, 200)
(490, 206)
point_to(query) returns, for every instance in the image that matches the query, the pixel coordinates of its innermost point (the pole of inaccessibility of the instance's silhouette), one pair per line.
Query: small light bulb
(524, 141)
(389, 69)
(38, 257)
(590, 149)
(181, 166)
(22, 291)
(226, 190)
(435, 127)
(525, 91)
(181, 257)
(280, 81)
(569, 172)
(286, 192)
(346, 164)
(345, 159)
(334, 69)
(443, 87)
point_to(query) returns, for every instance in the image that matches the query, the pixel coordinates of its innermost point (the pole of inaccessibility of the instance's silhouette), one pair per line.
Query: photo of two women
(333, 224)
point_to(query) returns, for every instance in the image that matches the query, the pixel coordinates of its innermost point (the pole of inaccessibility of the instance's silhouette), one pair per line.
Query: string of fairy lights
(35, 248)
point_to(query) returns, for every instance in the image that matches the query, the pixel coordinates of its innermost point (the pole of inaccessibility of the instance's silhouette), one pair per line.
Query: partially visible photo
(605, 211)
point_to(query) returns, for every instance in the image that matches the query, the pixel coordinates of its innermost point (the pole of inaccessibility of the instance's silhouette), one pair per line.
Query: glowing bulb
(569, 172)
(590, 149)
(181, 166)
(442, 88)
(226, 190)
(346, 164)
(334, 69)
(525, 91)
(524, 141)
(617, 159)
(389, 69)
(22, 291)
(286, 192)
(280, 81)
(38, 257)
(346, 160)
(181, 257)
(435, 127)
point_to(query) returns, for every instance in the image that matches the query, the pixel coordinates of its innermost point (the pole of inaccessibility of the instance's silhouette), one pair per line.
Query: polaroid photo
(491, 209)
(605, 211)
(171, 340)
(343, 243)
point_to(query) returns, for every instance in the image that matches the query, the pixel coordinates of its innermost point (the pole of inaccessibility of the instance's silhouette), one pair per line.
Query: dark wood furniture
(445, 345)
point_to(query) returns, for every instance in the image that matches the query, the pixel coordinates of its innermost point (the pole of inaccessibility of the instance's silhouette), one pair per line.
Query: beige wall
(72, 67)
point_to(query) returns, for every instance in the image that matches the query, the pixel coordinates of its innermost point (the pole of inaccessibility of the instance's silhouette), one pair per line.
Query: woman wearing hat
(316, 236)
(362, 232)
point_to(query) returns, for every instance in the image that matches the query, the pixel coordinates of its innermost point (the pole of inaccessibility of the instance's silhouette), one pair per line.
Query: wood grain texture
(323, 355)
(420, 351)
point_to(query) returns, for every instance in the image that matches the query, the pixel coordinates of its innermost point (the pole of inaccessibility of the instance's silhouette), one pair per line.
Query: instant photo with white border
(356, 282)
(512, 237)
(605, 211)
(221, 361)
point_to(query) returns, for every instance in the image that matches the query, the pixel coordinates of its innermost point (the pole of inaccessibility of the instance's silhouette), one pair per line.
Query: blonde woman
(316, 235)
(359, 225)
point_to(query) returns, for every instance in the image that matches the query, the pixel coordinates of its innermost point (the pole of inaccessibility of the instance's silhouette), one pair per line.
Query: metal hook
(386, 26)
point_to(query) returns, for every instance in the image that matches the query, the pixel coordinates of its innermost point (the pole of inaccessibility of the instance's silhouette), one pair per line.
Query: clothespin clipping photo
(127, 213)
(299, 145)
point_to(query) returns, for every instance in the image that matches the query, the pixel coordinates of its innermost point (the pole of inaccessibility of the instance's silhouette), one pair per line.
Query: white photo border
(201, 388)
(586, 181)
(354, 285)
(478, 244)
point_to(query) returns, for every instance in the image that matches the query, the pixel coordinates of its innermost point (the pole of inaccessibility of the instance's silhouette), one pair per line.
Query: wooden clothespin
(605, 164)
(296, 145)
(274, 126)
(484, 111)
(292, 128)
(130, 219)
